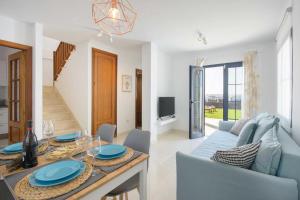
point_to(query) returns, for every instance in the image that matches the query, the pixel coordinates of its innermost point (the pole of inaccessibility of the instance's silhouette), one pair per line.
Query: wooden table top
(43, 161)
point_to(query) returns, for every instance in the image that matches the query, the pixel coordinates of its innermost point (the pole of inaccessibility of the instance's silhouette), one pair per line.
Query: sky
(214, 80)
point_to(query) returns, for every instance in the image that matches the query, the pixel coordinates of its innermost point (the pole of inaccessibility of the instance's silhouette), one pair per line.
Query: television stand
(166, 120)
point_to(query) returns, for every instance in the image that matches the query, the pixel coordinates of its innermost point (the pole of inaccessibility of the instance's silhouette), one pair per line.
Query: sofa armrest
(199, 178)
(225, 125)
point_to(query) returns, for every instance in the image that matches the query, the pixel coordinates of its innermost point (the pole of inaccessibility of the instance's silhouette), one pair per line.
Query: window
(284, 80)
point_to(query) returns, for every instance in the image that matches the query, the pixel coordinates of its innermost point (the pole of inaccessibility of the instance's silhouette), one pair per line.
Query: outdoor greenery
(218, 114)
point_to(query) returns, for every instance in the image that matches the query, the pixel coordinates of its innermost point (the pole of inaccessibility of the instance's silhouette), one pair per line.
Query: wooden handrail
(60, 57)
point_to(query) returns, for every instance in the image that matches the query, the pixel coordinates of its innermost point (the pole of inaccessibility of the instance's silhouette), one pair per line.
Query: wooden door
(16, 96)
(138, 98)
(104, 88)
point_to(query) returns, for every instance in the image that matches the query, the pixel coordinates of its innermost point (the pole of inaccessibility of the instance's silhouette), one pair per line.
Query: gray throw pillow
(263, 126)
(242, 156)
(246, 133)
(238, 125)
(261, 116)
(269, 153)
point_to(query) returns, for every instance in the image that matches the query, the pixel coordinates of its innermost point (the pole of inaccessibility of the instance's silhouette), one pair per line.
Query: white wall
(165, 86)
(296, 71)
(267, 70)
(50, 45)
(47, 72)
(72, 83)
(75, 83)
(28, 34)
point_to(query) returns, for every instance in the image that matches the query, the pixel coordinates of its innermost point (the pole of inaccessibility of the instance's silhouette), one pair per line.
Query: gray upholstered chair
(6, 192)
(139, 141)
(106, 132)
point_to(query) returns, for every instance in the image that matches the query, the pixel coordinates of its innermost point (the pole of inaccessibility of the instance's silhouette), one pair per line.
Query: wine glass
(82, 143)
(93, 152)
(48, 129)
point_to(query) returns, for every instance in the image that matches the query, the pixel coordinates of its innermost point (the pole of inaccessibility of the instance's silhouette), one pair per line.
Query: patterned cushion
(242, 156)
(247, 132)
(237, 127)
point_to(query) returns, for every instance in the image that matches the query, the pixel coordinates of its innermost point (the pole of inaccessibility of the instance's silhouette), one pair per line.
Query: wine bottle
(30, 145)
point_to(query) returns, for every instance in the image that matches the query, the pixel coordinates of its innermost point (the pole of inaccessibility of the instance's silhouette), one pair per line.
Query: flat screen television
(166, 106)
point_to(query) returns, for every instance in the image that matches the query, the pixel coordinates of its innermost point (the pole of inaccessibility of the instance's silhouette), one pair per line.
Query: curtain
(250, 101)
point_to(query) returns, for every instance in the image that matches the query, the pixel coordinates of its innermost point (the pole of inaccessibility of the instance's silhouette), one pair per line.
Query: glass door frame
(225, 66)
(201, 101)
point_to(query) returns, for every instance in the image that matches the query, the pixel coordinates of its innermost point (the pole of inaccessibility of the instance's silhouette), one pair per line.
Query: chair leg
(103, 198)
(121, 196)
(126, 195)
(114, 198)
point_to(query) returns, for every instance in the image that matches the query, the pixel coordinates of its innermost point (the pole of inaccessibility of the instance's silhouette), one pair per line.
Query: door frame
(94, 50)
(225, 66)
(137, 71)
(191, 136)
(28, 77)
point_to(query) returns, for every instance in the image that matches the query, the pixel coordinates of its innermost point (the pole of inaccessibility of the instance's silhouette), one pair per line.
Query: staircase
(60, 57)
(55, 109)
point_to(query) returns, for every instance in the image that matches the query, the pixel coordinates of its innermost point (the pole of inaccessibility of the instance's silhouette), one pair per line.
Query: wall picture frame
(126, 83)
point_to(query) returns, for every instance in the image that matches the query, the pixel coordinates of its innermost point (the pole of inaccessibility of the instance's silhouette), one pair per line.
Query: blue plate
(58, 170)
(34, 182)
(100, 157)
(67, 137)
(17, 147)
(10, 152)
(112, 150)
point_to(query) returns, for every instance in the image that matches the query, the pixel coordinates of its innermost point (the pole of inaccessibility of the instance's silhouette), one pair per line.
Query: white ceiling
(169, 23)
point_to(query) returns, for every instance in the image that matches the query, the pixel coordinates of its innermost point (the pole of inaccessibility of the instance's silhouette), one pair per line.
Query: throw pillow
(263, 126)
(269, 153)
(242, 156)
(237, 127)
(246, 133)
(261, 116)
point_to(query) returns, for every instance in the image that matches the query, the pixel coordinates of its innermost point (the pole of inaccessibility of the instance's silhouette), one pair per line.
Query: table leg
(143, 182)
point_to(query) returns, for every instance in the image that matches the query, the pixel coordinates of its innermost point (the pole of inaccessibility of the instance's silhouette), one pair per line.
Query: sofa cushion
(219, 140)
(237, 127)
(269, 152)
(246, 133)
(261, 116)
(242, 156)
(263, 126)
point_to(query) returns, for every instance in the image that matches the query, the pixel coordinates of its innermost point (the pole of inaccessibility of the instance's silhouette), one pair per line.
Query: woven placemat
(107, 163)
(63, 152)
(60, 144)
(25, 191)
(42, 148)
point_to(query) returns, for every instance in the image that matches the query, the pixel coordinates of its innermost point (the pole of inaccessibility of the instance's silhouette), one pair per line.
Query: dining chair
(6, 192)
(139, 141)
(106, 132)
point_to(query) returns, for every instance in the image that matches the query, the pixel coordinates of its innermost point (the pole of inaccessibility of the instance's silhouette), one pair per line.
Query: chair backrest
(106, 132)
(138, 140)
(6, 193)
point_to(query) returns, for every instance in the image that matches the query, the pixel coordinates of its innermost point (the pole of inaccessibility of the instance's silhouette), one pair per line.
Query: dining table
(110, 179)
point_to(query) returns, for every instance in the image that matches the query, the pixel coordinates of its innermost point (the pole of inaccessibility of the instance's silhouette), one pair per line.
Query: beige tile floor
(162, 165)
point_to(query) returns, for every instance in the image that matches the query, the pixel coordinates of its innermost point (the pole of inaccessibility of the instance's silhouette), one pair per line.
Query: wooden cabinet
(3, 120)
(3, 73)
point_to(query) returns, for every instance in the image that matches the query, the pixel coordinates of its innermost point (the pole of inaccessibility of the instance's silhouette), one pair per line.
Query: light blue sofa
(199, 178)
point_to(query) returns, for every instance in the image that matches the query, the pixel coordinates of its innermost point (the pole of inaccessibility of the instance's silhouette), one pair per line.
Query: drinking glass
(48, 129)
(82, 142)
(93, 152)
